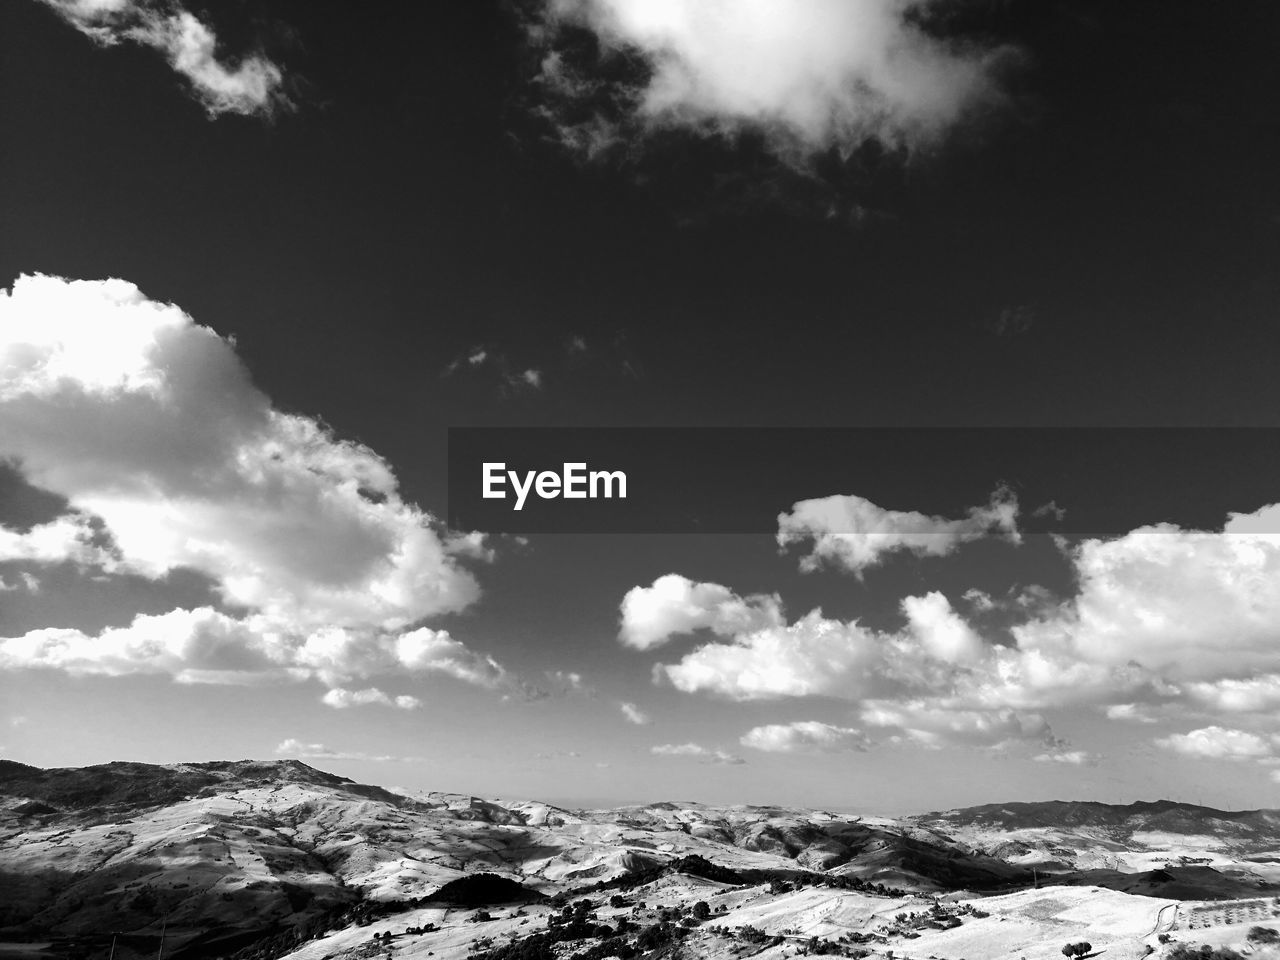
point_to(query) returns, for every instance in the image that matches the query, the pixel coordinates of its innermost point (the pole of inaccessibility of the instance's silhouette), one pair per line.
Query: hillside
(237, 854)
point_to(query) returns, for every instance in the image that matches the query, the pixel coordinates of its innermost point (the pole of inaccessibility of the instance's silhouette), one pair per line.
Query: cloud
(1076, 758)
(703, 754)
(340, 698)
(805, 736)
(296, 749)
(1172, 600)
(814, 656)
(1221, 743)
(936, 726)
(940, 630)
(512, 379)
(1132, 712)
(170, 458)
(808, 75)
(853, 533)
(1164, 621)
(675, 605)
(68, 539)
(634, 714)
(569, 682)
(253, 86)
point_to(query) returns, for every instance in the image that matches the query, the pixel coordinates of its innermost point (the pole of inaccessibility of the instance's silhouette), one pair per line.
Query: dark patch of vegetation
(482, 889)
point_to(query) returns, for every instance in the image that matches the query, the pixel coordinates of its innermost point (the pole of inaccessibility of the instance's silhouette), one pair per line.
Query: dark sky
(1101, 247)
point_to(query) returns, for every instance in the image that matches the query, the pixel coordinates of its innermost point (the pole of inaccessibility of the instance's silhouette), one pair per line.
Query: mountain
(263, 856)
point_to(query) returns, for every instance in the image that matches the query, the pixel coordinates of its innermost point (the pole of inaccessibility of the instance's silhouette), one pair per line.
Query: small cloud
(675, 605)
(1013, 320)
(340, 698)
(568, 682)
(1050, 509)
(509, 377)
(575, 345)
(853, 533)
(805, 736)
(634, 714)
(1132, 712)
(296, 749)
(558, 755)
(697, 751)
(1077, 758)
(980, 600)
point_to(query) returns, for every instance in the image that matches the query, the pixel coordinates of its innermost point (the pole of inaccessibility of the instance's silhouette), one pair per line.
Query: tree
(701, 910)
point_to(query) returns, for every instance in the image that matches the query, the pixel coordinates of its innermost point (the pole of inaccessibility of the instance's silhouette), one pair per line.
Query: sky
(256, 259)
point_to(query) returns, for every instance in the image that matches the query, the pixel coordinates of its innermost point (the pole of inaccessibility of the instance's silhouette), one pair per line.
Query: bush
(1263, 935)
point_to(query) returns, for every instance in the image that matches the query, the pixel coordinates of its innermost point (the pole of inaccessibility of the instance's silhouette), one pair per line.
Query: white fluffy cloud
(1164, 620)
(696, 750)
(251, 86)
(170, 458)
(805, 736)
(807, 74)
(853, 533)
(1223, 743)
(675, 605)
(815, 656)
(1173, 600)
(340, 698)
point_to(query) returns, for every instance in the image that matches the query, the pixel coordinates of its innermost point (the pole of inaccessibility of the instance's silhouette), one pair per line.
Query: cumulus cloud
(296, 749)
(1223, 743)
(675, 605)
(805, 736)
(815, 656)
(696, 750)
(852, 533)
(254, 85)
(340, 698)
(169, 458)
(1164, 620)
(68, 539)
(809, 75)
(1172, 600)
(634, 714)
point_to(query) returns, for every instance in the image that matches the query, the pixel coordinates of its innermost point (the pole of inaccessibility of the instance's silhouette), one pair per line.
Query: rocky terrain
(259, 860)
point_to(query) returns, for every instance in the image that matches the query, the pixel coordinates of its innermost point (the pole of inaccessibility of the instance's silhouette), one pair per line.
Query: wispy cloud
(296, 749)
(696, 751)
(805, 736)
(634, 714)
(253, 85)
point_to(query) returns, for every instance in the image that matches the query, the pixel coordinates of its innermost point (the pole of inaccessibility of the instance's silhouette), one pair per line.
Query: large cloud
(808, 74)
(251, 86)
(169, 457)
(853, 533)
